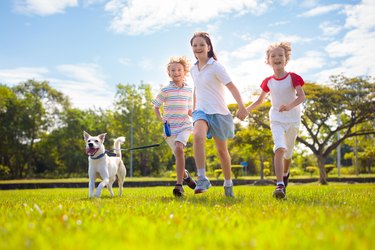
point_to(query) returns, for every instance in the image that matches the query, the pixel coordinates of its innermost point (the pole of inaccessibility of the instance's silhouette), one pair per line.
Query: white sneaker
(202, 185)
(228, 191)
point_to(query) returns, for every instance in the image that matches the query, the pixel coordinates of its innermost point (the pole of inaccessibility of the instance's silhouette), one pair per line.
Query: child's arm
(300, 98)
(258, 102)
(242, 113)
(158, 114)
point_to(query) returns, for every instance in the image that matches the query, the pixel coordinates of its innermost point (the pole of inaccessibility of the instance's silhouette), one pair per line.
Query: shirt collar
(210, 61)
(175, 85)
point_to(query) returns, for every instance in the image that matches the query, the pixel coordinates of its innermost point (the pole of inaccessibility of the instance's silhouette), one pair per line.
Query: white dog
(103, 166)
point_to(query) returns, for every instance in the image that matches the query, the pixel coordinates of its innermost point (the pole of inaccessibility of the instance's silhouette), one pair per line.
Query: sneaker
(279, 192)
(202, 185)
(228, 191)
(189, 181)
(285, 179)
(178, 190)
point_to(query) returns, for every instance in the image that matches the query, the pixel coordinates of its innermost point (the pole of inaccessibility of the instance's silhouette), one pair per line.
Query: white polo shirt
(283, 92)
(209, 87)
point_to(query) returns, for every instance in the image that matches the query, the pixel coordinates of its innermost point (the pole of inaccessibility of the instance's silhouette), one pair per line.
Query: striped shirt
(177, 102)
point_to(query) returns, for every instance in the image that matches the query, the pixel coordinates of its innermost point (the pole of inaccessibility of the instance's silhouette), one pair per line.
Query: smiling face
(177, 73)
(277, 58)
(200, 48)
(94, 144)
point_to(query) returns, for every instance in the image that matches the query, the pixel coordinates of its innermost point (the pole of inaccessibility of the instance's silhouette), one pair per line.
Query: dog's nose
(91, 145)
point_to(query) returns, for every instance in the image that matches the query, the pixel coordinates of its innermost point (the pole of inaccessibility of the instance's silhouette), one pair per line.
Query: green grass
(337, 216)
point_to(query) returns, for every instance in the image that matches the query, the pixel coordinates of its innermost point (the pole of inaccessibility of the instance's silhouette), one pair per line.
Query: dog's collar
(98, 157)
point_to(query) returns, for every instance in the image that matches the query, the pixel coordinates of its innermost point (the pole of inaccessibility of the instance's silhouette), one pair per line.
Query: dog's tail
(117, 145)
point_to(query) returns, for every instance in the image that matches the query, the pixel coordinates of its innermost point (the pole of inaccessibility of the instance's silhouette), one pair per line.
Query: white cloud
(84, 84)
(361, 16)
(18, 75)
(320, 10)
(356, 49)
(138, 16)
(42, 7)
(330, 29)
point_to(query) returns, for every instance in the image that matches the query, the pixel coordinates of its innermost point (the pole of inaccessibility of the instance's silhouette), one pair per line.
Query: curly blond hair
(284, 45)
(184, 61)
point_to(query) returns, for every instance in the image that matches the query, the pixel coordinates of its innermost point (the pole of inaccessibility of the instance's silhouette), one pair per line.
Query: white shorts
(182, 137)
(284, 136)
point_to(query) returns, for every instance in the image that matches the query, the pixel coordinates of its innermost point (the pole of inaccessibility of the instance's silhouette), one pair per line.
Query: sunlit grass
(337, 216)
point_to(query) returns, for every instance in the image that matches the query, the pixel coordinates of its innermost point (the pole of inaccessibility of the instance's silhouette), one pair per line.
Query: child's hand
(242, 113)
(284, 108)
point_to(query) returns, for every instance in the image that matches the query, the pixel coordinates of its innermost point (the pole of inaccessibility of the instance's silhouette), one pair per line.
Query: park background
(69, 66)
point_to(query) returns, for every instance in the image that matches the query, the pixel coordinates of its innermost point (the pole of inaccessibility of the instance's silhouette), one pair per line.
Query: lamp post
(338, 161)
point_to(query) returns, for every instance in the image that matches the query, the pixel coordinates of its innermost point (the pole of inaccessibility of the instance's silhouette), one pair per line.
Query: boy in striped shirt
(176, 98)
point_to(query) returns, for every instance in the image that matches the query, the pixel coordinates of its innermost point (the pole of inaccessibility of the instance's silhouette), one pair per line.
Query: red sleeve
(296, 80)
(264, 85)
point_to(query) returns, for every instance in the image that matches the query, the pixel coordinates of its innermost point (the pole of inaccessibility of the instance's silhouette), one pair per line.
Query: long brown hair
(206, 37)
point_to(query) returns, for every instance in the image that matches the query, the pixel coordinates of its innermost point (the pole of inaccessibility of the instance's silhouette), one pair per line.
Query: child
(211, 116)
(177, 101)
(285, 115)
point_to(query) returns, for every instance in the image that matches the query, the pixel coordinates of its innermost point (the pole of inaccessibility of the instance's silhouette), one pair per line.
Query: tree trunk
(322, 170)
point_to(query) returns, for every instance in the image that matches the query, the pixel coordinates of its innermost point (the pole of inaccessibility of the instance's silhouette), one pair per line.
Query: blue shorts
(220, 126)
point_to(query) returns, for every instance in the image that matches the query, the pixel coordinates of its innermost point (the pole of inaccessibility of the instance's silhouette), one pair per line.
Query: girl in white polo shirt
(287, 94)
(211, 116)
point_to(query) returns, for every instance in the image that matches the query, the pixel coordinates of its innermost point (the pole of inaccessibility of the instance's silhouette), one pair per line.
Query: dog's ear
(86, 135)
(102, 137)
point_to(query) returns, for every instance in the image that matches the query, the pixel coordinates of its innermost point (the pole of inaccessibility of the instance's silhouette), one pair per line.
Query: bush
(329, 167)
(217, 173)
(266, 172)
(295, 171)
(237, 170)
(4, 172)
(311, 170)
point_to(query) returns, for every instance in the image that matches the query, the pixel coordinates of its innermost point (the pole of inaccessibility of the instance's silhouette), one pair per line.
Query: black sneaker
(178, 190)
(189, 181)
(286, 179)
(279, 192)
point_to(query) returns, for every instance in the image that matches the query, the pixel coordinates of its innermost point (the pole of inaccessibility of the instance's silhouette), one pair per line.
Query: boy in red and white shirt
(287, 94)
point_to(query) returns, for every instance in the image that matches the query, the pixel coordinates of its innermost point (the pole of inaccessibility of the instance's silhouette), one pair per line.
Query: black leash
(110, 151)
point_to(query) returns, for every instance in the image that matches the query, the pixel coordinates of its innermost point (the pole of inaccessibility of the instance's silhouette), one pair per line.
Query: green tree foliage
(31, 110)
(350, 98)
(134, 117)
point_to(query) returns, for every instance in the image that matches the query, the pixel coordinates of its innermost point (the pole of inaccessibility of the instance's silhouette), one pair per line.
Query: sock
(286, 174)
(202, 172)
(280, 183)
(228, 183)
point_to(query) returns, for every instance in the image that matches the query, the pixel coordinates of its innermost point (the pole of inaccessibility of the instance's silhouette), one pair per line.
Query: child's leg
(290, 139)
(180, 161)
(279, 139)
(199, 144)
(224, 156)
(279, 164)
(287, 165)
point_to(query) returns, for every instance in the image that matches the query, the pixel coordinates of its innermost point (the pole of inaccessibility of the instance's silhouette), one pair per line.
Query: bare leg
(287, 165)
(279, 163)
(199, 144)
(180, 161)
(224, 157)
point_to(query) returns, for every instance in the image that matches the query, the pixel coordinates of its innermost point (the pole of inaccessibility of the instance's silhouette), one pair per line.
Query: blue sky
(84, 48)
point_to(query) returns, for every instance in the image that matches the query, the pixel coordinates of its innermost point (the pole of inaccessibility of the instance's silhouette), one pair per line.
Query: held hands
(242, 113)
(284, 108)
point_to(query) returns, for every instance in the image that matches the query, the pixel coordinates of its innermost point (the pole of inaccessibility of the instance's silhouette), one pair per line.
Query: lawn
(336, 216)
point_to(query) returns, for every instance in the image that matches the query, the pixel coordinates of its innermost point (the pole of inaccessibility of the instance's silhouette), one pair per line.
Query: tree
(350, 98)
(134, 115)
(32, 109)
